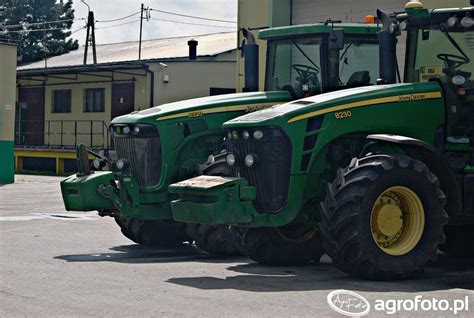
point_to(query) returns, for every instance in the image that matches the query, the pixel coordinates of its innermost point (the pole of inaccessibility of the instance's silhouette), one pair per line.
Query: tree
(23, 18)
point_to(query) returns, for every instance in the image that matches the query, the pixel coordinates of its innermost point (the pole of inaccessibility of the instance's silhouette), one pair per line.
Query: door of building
(30, 116)
(123, 99)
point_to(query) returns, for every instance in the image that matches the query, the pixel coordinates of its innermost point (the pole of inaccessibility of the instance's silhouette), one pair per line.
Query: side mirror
(336, 39)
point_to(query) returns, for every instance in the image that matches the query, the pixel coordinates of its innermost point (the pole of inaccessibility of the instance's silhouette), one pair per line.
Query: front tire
(383, 217)
(153, 232)
(214, 239)
(279, 246)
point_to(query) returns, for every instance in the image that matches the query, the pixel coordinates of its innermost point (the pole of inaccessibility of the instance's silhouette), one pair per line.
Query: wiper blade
(454, 43)
(304, 54)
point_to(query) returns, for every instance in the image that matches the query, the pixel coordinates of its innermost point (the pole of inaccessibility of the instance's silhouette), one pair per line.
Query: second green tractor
(378, 176)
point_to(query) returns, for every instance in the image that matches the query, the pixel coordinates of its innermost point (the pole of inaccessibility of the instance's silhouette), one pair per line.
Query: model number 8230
(342, 115)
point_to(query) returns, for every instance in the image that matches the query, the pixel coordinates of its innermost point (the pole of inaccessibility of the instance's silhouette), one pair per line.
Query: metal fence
(62, 134)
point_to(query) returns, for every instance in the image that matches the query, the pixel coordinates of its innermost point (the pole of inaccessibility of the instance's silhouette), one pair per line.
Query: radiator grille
(271, 173)
(144, 155)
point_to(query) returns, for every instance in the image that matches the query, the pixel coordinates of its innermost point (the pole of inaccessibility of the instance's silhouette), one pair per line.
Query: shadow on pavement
(447, 273)
(144, 254)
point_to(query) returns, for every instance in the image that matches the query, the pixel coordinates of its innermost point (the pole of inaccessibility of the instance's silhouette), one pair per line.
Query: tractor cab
(440, 47)
(318, 58)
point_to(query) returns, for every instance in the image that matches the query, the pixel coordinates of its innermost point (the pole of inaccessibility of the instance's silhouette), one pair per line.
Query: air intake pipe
(250, 53)
(387, 51)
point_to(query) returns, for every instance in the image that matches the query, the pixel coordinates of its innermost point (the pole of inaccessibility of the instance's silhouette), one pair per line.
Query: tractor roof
(308, 29)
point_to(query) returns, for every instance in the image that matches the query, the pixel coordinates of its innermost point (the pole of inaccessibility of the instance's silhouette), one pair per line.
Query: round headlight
(230, 159)
(258, 134)
(121, 164)
(136, 130)
(229, 135)
(458, 80)
(403, 25)
(467, 22)
(392, 28)
(249, 160)
(96, 164)
(452, 21)
(245, 134)
(126, 130)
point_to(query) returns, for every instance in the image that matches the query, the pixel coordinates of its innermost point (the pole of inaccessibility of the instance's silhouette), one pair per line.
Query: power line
(27, 24)
(117, 25)
(198, 24)
(77, 30)
(192, 16)
(35, 30)
(118, 19)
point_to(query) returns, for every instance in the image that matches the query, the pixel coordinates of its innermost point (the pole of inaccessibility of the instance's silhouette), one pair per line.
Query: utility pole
(91, 32)
(140, 41)
(45, 46)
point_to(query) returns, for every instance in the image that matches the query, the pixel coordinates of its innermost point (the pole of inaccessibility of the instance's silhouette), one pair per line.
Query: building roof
(315, 28)
(159, 49)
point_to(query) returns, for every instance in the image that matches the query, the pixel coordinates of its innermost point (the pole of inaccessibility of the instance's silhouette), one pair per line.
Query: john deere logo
(412, 97)
(348, 303)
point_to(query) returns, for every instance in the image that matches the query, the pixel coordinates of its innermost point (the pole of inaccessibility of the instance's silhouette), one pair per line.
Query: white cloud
(152, 29)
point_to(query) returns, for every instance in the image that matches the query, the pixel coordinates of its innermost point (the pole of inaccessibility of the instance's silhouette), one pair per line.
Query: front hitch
(80, 191)
(104, 191)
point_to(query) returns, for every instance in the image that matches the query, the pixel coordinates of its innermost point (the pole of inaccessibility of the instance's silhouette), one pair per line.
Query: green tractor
(176, 141)
(380, 176)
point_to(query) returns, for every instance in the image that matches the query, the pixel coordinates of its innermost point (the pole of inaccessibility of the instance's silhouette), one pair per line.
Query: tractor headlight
(392, 28)
(136, 130)
(122, 164)
(97, 164)
(458, 80)
(403, 25)
(452, 21)
(229, 135)
(258, 134)
(230, 159)
(126, 130)
(245, 134)
(467, 22)
(249, 160)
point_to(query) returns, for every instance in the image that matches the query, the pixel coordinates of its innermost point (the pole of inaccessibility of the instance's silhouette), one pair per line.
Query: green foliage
(29, 15)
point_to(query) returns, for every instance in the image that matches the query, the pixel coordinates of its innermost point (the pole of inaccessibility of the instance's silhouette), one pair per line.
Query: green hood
(205, 105)
(337, 101)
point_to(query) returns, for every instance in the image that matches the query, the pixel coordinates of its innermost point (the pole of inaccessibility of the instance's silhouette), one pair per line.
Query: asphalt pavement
(58, 263)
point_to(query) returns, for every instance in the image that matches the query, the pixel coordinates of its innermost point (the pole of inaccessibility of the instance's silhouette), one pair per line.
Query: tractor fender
(434, 160)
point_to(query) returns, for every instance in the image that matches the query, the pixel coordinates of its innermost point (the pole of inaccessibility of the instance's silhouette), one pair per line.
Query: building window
(62, 101)
(94, 100)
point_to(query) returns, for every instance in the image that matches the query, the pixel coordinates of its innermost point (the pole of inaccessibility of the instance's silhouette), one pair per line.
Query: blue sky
(153, 29)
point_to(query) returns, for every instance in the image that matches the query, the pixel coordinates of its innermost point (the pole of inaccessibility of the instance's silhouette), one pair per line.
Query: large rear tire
(280, 246)
(153, 232)
(214, 239)
(383, 217)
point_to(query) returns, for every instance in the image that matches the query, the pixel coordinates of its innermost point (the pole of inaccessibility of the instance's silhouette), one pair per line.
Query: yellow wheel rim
(397, 220)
